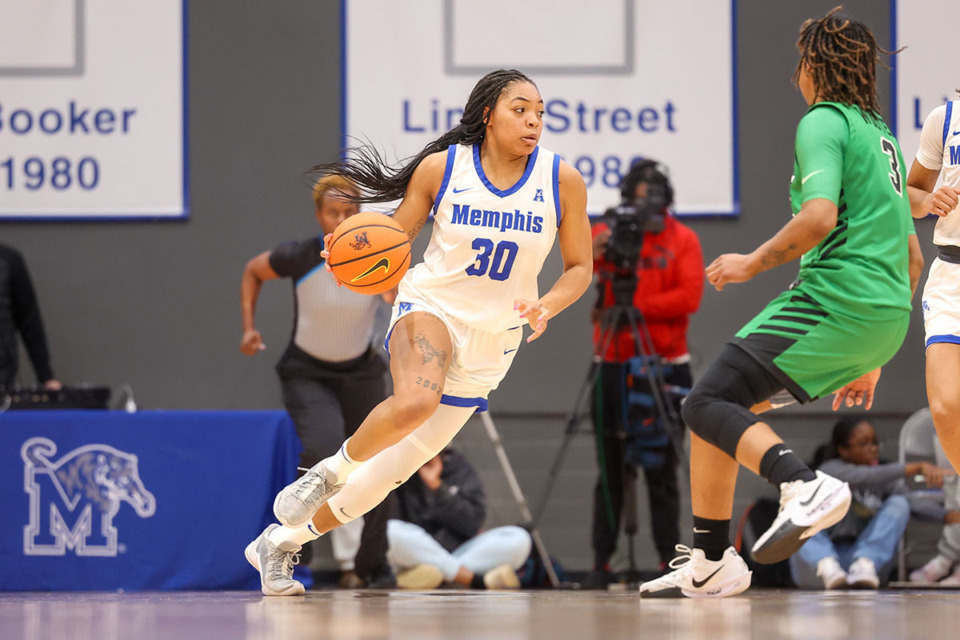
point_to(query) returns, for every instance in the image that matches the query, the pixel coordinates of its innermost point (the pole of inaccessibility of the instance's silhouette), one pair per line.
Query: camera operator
(646, 260)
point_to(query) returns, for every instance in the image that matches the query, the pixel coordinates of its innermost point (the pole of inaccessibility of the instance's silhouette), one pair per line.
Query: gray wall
(155, 305)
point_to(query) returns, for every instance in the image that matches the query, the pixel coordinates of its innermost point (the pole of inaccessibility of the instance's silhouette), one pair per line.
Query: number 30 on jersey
(494, 260)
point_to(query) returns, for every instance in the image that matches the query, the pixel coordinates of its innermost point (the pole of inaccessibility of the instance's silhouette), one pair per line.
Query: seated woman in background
(859, 551)
(437, 534)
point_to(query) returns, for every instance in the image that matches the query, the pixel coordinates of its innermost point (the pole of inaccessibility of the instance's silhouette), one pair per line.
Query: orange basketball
(369, 252)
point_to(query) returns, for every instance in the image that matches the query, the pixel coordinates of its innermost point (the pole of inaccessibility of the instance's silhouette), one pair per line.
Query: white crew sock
(340, 465)
(299, 536)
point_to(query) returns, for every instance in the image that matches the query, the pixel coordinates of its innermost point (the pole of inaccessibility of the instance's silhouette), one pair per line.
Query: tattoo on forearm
(776, 257)
(428, 352)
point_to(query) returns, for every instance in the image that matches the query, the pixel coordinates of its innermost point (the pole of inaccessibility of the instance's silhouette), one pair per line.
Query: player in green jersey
(854, 282)
(843, 318)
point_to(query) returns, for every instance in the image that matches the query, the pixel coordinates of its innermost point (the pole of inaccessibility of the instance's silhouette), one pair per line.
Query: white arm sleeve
(369, 485)
(930, 153)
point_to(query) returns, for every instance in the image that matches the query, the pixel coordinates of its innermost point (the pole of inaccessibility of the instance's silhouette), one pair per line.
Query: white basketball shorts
(941, 303)
(480, 359)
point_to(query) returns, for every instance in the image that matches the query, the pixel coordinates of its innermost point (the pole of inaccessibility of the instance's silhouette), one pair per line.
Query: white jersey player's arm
(414, 209)
(925, 198)
(576, 248)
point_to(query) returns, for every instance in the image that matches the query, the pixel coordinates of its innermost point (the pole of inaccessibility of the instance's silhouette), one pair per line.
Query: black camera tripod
(623, 287)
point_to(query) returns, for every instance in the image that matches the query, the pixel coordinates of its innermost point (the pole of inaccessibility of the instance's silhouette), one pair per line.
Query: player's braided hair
(365, 166)
(841, 55)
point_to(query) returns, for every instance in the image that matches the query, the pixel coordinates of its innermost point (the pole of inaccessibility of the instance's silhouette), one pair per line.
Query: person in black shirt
(20, 313)
(330, 373)
(436, 535)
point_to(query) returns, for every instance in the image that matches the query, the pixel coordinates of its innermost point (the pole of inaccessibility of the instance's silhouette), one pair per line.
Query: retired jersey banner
(620, 79)
(92, 103)
(927, 71)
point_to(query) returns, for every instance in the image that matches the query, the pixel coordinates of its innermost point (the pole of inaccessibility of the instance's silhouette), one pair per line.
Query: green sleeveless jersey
(853, 160)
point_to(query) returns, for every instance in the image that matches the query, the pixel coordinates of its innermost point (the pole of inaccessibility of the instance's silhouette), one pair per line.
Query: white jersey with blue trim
(940, 151)
(488, 245)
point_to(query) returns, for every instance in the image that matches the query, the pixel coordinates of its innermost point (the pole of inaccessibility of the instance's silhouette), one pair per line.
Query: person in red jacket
(669, 285)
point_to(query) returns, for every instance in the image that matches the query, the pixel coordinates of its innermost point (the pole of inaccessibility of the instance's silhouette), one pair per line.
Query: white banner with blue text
(92, 110)
(927, 71)
(620, 79)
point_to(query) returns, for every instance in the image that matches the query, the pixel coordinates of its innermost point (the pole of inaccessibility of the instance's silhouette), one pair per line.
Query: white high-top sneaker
(697, 577)
(806, 507)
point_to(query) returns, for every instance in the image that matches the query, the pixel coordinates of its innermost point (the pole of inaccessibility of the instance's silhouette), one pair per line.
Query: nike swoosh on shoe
(699, 583)
(805, 503)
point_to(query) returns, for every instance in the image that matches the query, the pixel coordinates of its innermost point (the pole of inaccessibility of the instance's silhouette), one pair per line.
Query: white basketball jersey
(488, 245)
(940, 149)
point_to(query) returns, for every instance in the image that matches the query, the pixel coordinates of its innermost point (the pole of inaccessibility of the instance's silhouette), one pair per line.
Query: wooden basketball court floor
(400, 615)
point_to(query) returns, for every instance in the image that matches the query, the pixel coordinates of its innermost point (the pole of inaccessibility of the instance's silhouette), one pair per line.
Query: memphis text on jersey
(502, 220)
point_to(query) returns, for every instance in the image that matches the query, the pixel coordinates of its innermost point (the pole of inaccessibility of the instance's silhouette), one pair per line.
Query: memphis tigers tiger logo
(73, 500)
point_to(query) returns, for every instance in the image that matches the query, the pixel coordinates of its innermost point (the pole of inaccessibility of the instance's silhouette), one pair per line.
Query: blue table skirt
(105, 500)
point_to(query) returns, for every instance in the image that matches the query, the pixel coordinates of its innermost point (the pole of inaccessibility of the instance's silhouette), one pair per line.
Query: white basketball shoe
(806, 507)
(697, 577)
(296, 503)
(275, 564)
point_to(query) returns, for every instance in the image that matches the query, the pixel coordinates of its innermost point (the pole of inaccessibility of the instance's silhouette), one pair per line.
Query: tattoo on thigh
(427, 384)
(428, 351)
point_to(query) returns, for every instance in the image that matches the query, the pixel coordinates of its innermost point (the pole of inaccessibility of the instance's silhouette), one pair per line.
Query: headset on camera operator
(644, 259)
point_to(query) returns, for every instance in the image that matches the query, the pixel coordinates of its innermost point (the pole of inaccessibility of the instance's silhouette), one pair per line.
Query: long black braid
(842, 55)
(366, 167)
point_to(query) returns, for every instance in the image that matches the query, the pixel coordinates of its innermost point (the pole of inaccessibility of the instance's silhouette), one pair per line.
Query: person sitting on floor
(859, 551)
(436, 534)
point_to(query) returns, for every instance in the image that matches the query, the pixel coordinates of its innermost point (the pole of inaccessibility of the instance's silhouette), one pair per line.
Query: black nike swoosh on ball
(699, 583)
(804, 503)
(382, 263)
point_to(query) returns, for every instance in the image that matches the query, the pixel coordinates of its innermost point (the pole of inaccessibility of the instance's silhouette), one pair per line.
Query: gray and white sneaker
(275, 564)
(697, 577)
(806, 508)
(296, 503)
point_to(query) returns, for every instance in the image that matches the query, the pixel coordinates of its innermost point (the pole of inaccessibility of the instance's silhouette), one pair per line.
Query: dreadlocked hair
(842, 55)
(365, 166)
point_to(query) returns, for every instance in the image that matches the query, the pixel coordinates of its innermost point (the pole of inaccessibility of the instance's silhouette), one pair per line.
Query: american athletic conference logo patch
(73, 500)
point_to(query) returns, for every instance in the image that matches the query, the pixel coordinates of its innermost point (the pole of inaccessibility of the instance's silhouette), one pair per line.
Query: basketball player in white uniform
(939, 157)
(498, 200)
